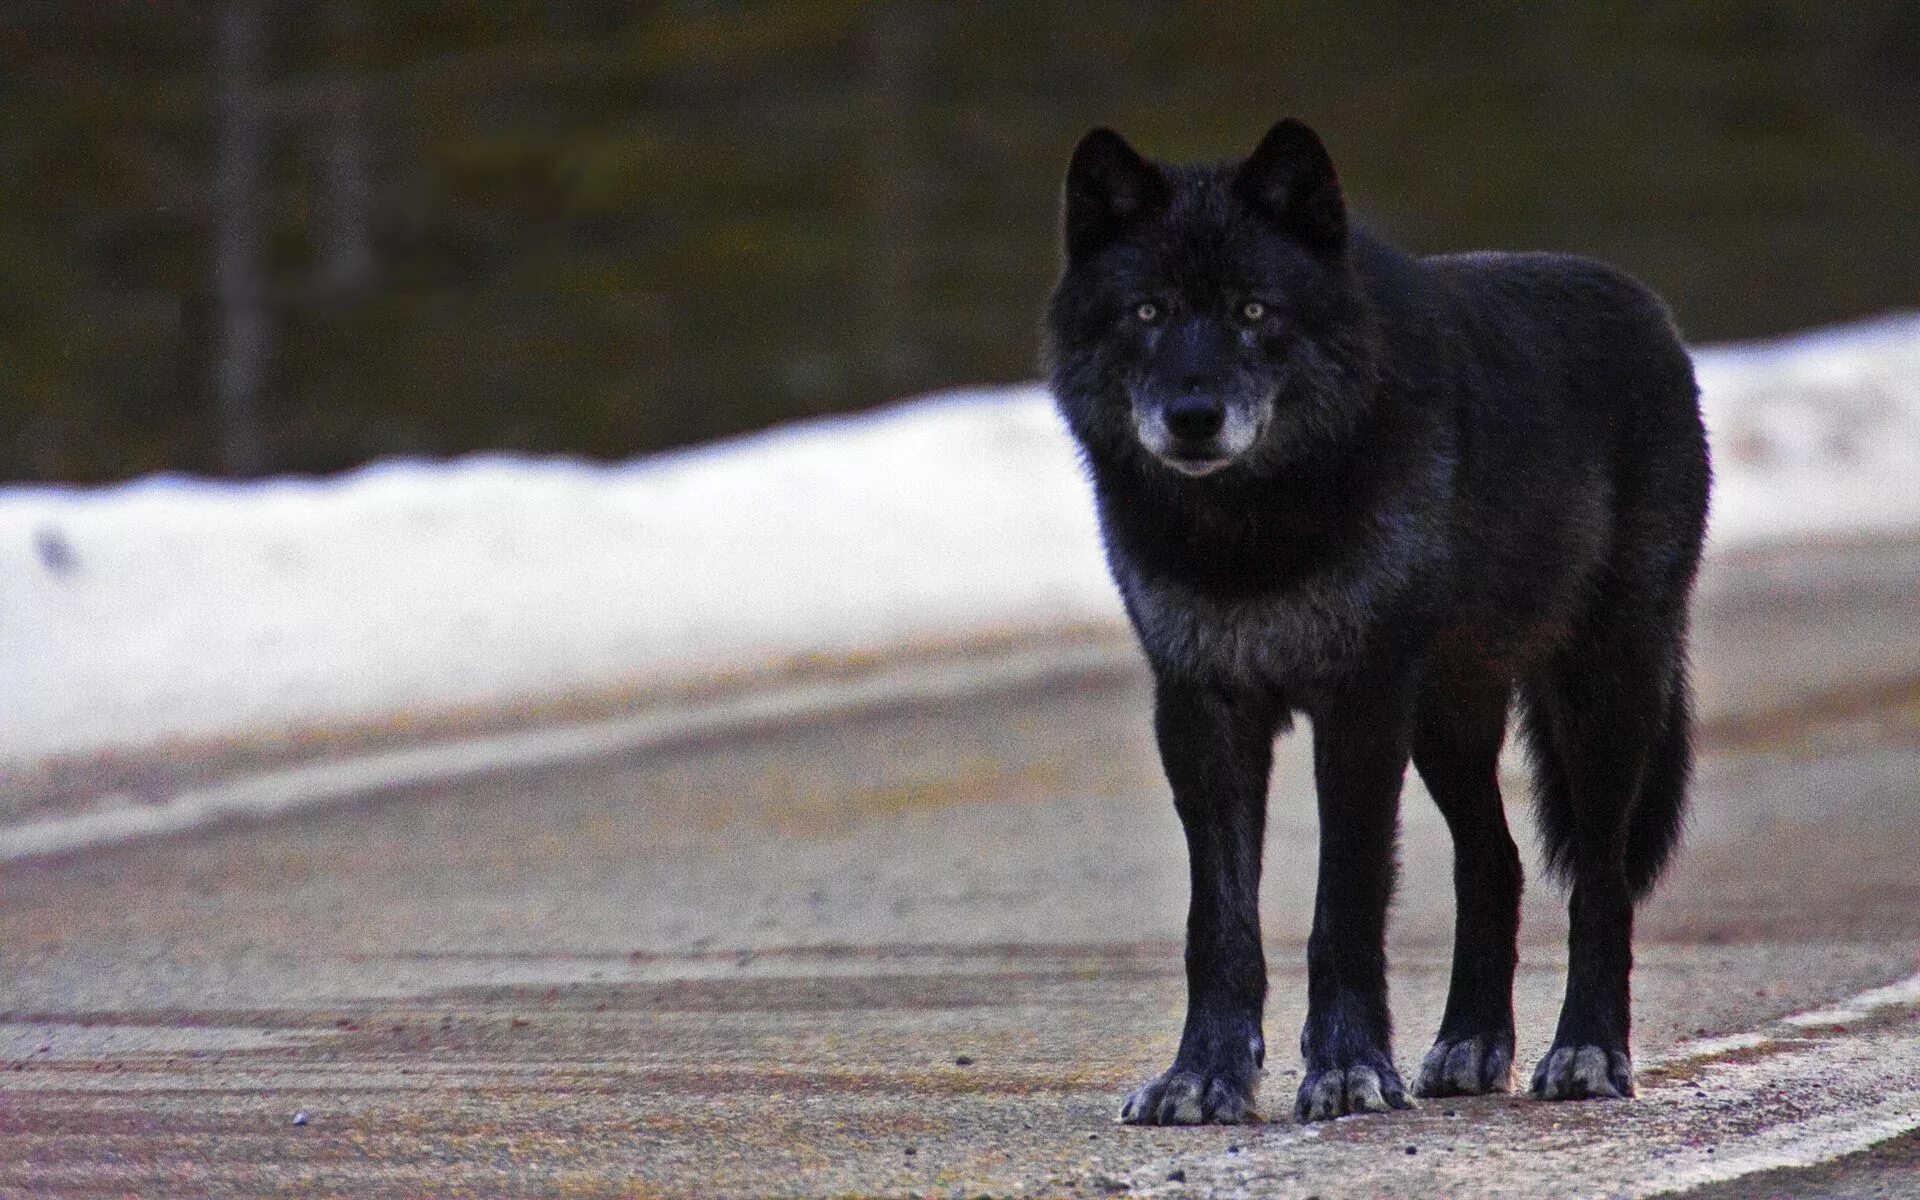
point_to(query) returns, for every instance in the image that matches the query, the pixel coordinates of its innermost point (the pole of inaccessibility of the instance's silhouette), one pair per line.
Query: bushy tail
(1655, 826)
(1659, 815)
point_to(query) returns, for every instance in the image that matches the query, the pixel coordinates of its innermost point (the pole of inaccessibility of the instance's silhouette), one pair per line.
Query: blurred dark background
(293, 235)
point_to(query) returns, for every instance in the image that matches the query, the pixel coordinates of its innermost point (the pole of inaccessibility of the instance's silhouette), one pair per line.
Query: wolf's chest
(1305, 631)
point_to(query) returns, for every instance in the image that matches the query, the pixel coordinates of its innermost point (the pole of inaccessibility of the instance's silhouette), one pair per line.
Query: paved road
(925, 951)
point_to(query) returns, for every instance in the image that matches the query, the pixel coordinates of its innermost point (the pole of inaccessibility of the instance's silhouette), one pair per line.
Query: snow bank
(1815, 434)
(173, 608)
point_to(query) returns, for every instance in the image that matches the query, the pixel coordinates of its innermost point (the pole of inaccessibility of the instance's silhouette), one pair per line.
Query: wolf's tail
(1658, 815)
(1658, 818)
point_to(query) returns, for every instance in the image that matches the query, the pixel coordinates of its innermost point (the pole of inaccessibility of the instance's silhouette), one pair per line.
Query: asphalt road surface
(924, 949)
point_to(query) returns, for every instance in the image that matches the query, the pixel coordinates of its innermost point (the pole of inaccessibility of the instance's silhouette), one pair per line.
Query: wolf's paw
(1337, 1091)
(1583, 1073)
(1182, 1097)
(1467, 1066)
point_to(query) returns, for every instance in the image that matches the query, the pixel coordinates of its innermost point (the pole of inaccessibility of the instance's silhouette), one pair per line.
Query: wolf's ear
(1109, 186)
(1289, 180)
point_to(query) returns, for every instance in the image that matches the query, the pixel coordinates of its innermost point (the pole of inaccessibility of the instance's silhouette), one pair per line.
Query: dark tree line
(240, 236)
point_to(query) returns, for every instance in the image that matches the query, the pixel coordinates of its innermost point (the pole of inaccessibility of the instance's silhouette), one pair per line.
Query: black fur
(1392, 494)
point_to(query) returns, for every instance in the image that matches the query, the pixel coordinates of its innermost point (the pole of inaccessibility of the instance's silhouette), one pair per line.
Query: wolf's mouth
(1196, 465)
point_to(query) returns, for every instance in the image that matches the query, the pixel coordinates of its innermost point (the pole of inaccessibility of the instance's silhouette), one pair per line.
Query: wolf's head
(1208, 315)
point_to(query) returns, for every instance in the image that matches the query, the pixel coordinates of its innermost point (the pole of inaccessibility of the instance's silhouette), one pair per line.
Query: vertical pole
(240, 300)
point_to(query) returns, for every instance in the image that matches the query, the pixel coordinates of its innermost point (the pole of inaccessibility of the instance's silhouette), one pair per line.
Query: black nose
(1195, 418)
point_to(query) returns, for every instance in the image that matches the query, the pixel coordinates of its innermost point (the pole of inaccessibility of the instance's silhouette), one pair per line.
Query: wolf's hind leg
(1610, 735)
(1456, 749)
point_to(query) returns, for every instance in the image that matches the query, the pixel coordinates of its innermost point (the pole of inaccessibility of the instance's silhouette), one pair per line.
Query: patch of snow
(178, 608)
(1815, 434)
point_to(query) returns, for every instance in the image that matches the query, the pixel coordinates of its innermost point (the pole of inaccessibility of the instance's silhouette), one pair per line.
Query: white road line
(1806, 1141)
(119, 818)
(1713, 1047)
(1907, 991)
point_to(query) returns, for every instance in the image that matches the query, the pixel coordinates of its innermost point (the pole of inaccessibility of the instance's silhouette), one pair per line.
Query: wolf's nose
(1195, 418)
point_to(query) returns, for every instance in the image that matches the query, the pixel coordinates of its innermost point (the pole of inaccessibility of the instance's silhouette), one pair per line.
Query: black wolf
(1393, 494)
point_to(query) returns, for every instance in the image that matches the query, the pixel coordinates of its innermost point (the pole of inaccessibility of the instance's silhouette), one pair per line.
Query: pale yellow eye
(1253, 310)
(1148, 313)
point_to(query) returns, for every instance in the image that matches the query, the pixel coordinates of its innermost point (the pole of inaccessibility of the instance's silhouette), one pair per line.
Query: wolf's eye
(1148, 312)
(1252, 311)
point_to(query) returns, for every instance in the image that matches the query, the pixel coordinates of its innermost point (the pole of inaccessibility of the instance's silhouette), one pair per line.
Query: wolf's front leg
(1360, 750)
(1217, 750)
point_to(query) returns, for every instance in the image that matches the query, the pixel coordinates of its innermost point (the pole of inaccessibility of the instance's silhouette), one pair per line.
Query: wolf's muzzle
(1194, 421)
